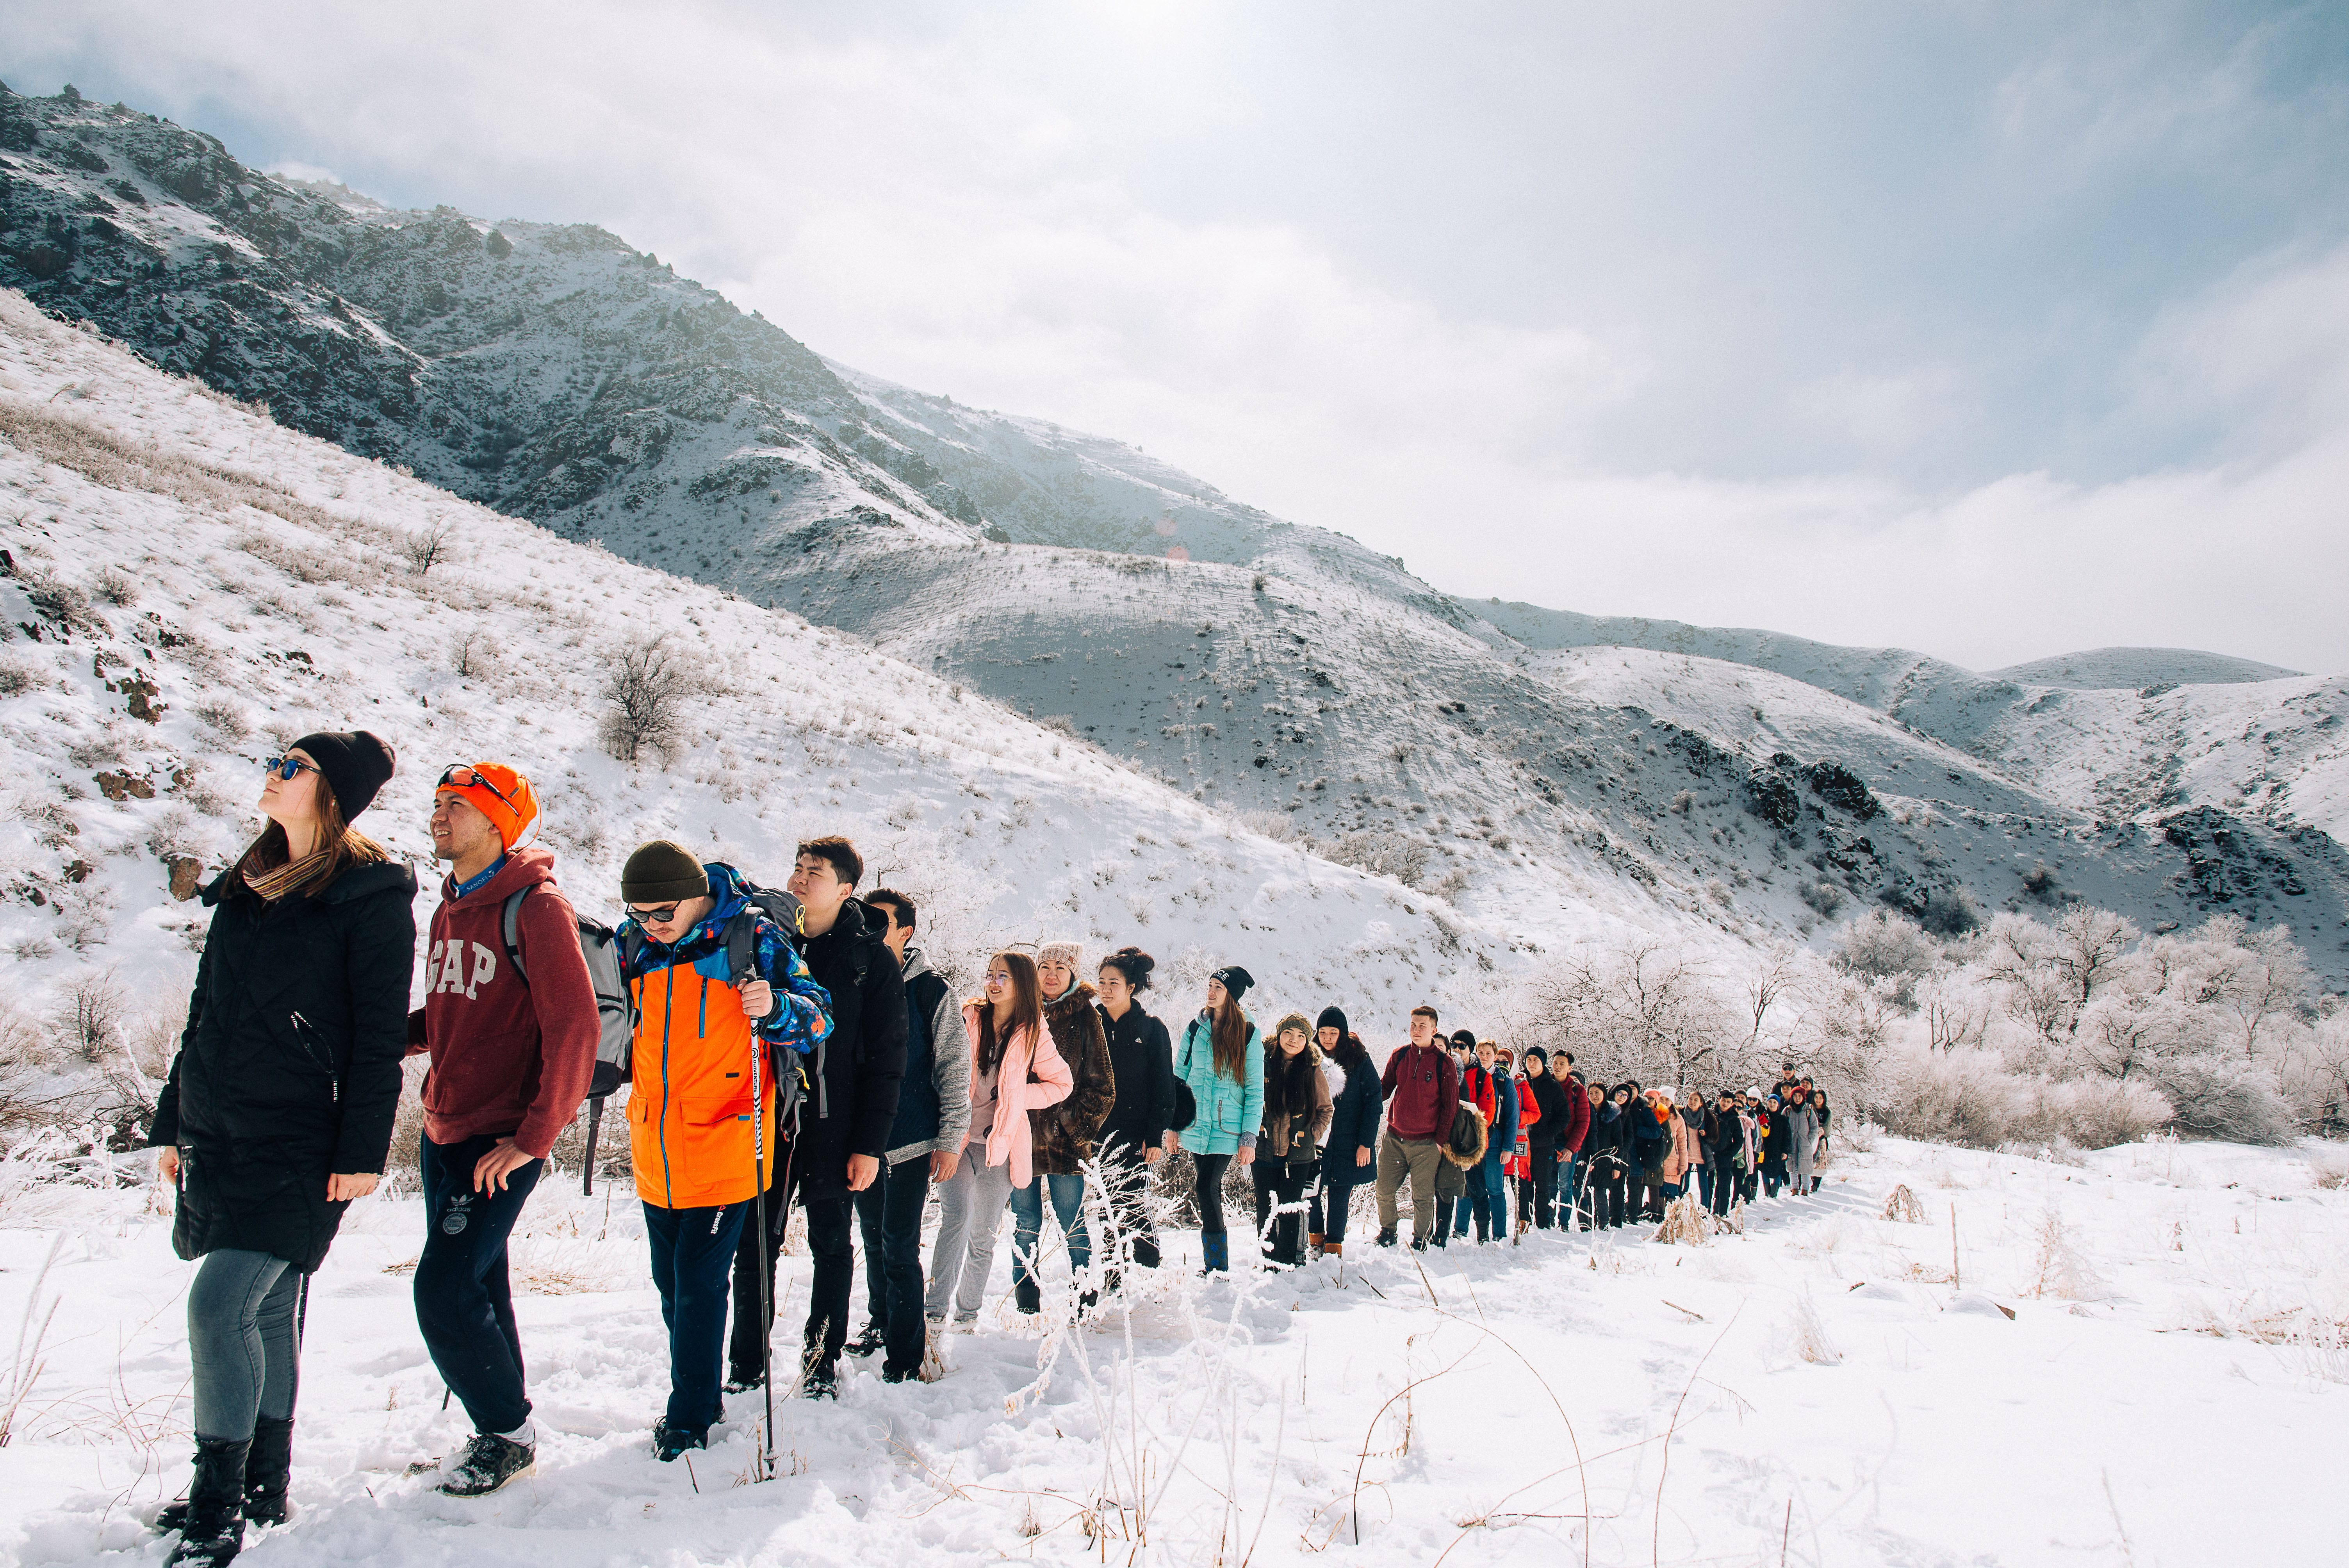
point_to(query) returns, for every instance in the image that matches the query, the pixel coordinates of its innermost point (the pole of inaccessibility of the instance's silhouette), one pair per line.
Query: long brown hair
(1027, 1007)
(343, 846)
(1231, 1033)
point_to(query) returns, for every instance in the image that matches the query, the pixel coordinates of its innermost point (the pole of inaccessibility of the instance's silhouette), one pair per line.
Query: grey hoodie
(949, 1066)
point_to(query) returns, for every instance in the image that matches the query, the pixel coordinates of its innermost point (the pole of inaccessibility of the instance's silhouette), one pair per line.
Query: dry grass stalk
(1902, 1205)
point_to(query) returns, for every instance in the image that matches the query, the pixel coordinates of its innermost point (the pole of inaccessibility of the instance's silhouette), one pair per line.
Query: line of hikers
(781, 1049)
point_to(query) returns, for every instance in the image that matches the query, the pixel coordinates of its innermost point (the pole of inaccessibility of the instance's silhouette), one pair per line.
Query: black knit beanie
(1235, 980)
(663, 872)
(354, 764)
(1332, 1018)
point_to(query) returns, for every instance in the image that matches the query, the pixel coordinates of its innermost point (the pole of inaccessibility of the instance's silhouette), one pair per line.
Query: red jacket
(509, 1057)
(1421, 1086)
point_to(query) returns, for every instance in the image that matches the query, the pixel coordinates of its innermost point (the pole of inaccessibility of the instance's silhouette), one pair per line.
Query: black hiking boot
(488, 1463)
(213, 1530)
(868, 1339)
(738, 1381)
(670, 1441)
(1028, 1296)
(821, 1380)
(1387, 1237)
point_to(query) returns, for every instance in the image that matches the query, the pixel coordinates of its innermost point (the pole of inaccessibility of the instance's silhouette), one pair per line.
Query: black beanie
(1332, 1018)
(354, 766)
(1464, 1037)
(663, 872)
(1234, 979)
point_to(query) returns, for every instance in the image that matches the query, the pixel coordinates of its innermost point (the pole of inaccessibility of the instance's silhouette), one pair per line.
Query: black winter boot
(266, 1467)
(213, 1532)
(1387, 1236)
(1028, 1297)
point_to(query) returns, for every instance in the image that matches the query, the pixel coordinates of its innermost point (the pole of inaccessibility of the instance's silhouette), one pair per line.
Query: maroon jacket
(509, 1057)
(1421, 1086)
(1578, 1117)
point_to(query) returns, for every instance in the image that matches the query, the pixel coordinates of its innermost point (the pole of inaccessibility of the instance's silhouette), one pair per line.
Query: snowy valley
(274, 457)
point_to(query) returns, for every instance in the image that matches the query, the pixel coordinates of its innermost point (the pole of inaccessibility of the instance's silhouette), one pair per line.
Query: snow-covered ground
(1819, 1390)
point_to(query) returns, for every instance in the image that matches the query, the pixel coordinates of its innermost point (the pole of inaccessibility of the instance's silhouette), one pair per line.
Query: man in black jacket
(843, 1120)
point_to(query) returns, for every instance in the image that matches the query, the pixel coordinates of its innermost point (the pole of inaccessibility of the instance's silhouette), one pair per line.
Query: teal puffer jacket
(1228, 1112)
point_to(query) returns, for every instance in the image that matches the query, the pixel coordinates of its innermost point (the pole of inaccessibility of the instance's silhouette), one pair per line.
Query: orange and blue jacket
(692, 1139)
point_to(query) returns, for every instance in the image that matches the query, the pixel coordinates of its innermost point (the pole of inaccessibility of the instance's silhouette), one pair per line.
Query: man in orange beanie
(512, 1027)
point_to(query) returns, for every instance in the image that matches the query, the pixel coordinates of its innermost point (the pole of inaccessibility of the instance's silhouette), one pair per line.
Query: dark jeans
(692, 1251)
(1209, 1191)
(463, 1305)
(1279, 1184)
(889, 1216)
(1126, 1182)
(1068, 1194)
(1727, 1182)
(833, 1251)
(1335, 1194)
(245, 1341)
(1543, 1186)
(1705, 1185)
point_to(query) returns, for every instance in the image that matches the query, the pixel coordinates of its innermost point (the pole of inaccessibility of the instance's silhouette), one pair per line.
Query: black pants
(1541, 1188)
(889, 1217)
(464, 1307)
(835, 1255)
(1209, 1191)
(1125, 1178)
(1279, 1184)
(691, 1249)
(1604, 1194)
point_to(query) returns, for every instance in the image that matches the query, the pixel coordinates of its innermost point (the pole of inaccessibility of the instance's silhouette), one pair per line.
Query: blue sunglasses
(286, 767)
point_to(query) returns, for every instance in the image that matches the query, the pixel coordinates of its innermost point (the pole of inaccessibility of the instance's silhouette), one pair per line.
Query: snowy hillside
(191, 587)
(2137, 668)
(1283, 673)
(2038, 1363)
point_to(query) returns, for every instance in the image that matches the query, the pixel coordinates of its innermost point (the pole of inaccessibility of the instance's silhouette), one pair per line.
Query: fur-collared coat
(1065, 1132)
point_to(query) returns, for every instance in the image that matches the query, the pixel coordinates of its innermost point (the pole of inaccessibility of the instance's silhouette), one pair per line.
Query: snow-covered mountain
(1739, 783)
(189, 586)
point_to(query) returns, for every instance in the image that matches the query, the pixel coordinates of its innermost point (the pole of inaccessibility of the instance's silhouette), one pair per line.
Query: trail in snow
(2175, 1352)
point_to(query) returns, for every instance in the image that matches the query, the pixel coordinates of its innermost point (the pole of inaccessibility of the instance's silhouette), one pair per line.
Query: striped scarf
(279, 881)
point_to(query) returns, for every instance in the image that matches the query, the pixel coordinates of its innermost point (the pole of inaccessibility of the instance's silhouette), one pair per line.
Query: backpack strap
(511, 926)
(742, 947)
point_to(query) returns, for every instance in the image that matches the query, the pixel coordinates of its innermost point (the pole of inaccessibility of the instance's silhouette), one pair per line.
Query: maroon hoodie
(509, 1056)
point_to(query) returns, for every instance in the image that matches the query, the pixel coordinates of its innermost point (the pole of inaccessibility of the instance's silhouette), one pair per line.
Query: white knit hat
(1069, 952)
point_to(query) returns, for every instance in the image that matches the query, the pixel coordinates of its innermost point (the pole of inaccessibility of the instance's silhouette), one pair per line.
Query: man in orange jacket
(702, 1031)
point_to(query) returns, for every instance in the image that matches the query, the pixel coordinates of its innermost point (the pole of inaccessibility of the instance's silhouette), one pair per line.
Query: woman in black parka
(278, 1110)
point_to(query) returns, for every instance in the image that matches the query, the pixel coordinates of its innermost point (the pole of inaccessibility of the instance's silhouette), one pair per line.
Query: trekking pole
(758, 1204)
(587, 1174)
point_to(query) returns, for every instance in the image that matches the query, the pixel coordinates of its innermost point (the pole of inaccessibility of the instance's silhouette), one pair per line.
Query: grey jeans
(970, 1212)
(244, 1340)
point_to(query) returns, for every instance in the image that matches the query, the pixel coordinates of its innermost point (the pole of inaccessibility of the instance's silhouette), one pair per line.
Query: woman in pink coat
(1014, 1069)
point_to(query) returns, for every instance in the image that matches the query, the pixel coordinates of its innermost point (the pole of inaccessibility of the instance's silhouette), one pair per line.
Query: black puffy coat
(853, 1101)
(263, 1112)
(1142, 1058)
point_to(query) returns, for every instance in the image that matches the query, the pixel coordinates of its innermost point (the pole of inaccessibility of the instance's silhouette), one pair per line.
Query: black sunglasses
(286, 767)
(465, 778)
(660, 916)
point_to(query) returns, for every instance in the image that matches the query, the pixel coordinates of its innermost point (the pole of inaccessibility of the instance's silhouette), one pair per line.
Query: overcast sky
(1996, 331)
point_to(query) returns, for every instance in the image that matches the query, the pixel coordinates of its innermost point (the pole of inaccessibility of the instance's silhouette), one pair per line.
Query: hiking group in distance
(781, 1049)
